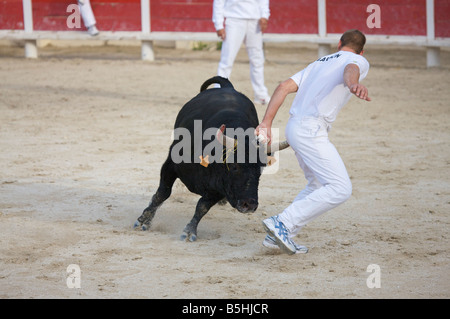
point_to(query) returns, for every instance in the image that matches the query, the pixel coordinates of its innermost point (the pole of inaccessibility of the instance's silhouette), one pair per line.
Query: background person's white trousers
(246, 31)
(86, 13)
(328, 182)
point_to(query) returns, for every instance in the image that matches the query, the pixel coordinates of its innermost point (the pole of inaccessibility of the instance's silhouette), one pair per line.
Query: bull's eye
(233, 168)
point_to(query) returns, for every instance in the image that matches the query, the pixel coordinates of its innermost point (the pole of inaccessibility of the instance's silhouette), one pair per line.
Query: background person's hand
(221, 34)
(263, 22)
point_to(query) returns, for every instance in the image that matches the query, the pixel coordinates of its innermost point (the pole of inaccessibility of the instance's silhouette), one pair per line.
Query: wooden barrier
(424, 23)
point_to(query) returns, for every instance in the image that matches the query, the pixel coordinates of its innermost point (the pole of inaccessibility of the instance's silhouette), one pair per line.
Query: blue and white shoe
(270, 242)
(280, 233)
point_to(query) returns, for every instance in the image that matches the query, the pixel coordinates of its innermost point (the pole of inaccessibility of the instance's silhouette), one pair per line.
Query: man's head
(353, 39)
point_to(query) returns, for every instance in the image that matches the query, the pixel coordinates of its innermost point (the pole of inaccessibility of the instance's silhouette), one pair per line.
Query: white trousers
(86, 13)
(246, 31)
(328, 182)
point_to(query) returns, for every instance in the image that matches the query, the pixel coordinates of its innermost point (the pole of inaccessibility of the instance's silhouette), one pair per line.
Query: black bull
(229, 177)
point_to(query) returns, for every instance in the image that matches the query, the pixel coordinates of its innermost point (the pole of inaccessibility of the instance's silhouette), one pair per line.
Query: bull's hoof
(138, 226)
(188, 237)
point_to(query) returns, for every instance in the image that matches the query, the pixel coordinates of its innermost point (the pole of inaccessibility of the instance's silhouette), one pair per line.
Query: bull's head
(243, 175)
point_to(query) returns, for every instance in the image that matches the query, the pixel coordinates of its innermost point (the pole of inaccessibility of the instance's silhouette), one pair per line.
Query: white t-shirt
(321, 88)
(240, 9)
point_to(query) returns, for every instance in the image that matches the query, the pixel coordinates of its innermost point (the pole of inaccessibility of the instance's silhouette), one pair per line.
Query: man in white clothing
(245, 21)
(323, 88)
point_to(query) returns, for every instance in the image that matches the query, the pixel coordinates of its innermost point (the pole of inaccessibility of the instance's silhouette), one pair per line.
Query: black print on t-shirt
(337, 55)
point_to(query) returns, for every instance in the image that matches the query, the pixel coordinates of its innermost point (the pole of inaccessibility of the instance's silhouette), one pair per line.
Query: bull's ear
(271, 160)
(204, 161)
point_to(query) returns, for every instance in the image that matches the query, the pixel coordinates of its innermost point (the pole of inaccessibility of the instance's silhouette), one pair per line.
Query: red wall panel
(113, 15)
(398, 17)
(50, 15)
(117, 15)
(11, 15)
(298, 16)
(181, 15)
(442, 18)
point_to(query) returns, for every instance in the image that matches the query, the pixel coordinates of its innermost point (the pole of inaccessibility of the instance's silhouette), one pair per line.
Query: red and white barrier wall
(426, 20)
(398, 17)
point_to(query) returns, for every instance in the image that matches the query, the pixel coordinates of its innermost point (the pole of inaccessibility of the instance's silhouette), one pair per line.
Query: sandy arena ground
(83, 134)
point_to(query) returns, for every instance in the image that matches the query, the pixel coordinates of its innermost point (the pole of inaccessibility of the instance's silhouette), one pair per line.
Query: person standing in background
(237, 22)
(88, 17)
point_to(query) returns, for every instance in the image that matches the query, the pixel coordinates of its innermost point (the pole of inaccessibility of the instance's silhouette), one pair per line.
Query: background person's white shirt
(240, 9)
(321, 88)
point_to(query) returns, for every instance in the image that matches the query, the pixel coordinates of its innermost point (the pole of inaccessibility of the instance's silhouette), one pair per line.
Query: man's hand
(221, 34)
(264, 133)
(360, 91)
(263, 22)
(351, 80)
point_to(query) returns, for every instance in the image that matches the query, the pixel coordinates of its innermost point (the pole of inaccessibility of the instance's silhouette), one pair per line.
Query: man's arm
(351, 80)
(277, 99)
(265, 13)
(218, 18)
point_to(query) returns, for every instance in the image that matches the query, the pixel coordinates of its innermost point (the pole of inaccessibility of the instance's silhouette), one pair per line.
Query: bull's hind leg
(203, 206)
(168, 177)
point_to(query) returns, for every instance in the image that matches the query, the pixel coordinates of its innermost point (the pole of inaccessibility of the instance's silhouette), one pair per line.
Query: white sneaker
(262, 101)
(280, 233)
(93, 31)
(270, 242)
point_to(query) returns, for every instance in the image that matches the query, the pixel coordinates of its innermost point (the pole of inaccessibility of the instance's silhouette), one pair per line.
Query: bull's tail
(217, 79)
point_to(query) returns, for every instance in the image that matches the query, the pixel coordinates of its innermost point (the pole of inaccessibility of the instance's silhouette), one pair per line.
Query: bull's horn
(228, 142)
(277, 147)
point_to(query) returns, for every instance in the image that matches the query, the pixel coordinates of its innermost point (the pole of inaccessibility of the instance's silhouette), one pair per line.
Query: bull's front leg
(168, 178)
(203, 206)
(144, 221)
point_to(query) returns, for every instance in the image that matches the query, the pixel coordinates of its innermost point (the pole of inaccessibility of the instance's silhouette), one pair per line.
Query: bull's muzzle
(247, 205)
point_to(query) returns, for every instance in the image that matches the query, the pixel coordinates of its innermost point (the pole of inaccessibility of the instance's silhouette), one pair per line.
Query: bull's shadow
(217, 167)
